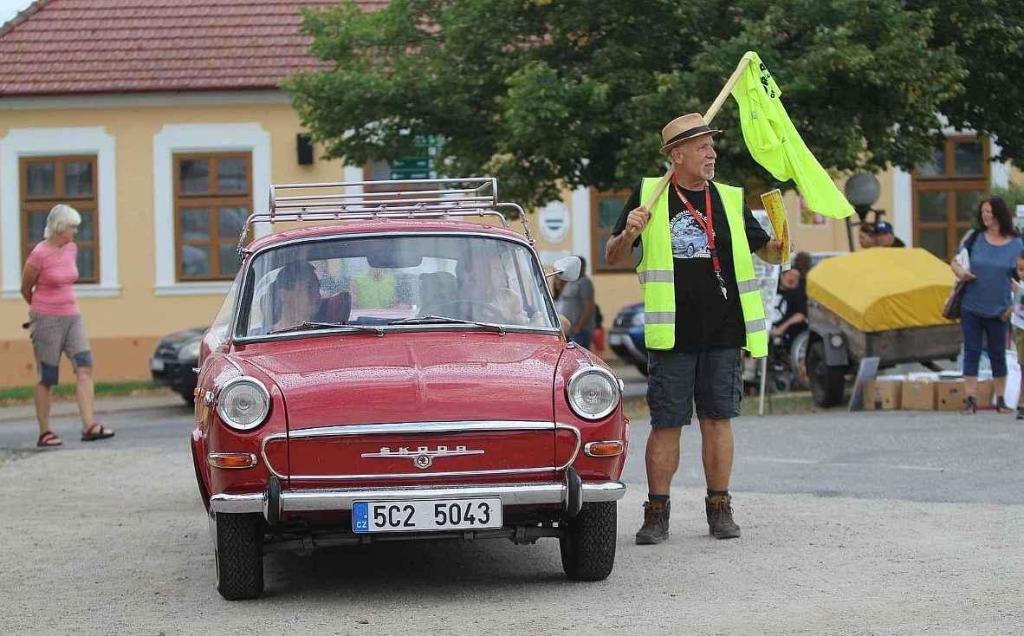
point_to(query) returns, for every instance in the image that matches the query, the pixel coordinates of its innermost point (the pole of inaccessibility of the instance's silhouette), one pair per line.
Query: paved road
(873, 523)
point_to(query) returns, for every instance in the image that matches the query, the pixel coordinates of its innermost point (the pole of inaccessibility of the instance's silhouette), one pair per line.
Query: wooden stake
(708, 116)
(727, 89)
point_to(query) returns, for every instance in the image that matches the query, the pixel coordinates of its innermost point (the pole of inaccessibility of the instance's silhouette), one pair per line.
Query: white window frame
(44, 142)
(183, 138)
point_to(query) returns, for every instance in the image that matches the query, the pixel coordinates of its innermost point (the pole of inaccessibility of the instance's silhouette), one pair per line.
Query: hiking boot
(1001, 406)
(655, 528)
(970, 405)
(1020, 412)
(720, 522)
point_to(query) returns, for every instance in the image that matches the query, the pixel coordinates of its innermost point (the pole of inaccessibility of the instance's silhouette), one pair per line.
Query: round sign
(554, 221)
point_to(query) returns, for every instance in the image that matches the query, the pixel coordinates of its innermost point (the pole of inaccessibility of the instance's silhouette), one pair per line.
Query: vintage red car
(399, 373)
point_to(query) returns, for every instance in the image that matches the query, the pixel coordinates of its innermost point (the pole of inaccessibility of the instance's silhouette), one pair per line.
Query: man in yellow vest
(701, 307)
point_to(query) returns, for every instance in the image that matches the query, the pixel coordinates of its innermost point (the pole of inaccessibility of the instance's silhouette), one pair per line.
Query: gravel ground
(102, 540)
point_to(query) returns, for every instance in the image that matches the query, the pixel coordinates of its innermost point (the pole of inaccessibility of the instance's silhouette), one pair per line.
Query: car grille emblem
(422, 457)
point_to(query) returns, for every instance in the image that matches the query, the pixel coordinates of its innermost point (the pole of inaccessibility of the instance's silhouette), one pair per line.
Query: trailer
(884, 303)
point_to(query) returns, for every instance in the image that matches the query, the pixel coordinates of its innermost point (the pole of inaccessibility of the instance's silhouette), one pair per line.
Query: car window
(223, 319)
(382, 280)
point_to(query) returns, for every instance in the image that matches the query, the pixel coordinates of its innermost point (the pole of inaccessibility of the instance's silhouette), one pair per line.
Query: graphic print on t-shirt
(688, 238)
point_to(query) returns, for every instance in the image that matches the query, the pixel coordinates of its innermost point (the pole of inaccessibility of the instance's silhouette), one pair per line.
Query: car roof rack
(391, 199)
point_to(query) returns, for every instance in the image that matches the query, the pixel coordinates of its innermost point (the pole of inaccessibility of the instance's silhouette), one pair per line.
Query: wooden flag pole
(708, 116)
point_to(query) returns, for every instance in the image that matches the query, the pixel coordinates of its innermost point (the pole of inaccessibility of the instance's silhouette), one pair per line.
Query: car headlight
(593, 393)
(190, 350)
(638, 319)
(243, 403)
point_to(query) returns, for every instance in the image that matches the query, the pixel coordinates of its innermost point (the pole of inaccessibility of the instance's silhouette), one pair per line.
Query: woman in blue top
(986, 304)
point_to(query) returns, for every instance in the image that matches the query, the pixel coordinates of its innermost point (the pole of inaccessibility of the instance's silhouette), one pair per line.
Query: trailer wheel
(827, 383)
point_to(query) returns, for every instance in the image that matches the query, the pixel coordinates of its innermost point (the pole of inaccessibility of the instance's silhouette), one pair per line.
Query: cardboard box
(950, 393)
(985, 397)
(882, 394)
(918, 395)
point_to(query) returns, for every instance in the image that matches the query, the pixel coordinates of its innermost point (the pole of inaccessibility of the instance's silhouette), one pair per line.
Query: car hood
(412, 377)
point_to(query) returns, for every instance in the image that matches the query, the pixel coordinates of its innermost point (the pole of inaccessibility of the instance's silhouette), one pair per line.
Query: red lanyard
(706, 224)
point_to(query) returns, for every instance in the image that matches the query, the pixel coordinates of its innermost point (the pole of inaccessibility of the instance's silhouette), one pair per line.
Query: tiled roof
(60, 47)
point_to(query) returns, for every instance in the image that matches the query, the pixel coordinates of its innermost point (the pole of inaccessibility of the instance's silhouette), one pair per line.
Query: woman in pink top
(56, 324)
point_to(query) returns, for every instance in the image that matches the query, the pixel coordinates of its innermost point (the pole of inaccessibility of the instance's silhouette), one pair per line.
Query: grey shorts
(712, 379)
(54, 335)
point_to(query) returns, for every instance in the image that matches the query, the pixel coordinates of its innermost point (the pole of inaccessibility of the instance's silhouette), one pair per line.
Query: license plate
(156, 364)
(425, 515)
(615, 339)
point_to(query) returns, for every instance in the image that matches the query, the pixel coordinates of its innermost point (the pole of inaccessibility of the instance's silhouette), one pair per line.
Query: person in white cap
(701, 307)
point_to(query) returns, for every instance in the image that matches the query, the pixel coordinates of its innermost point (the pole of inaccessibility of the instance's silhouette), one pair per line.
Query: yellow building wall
(123, 330)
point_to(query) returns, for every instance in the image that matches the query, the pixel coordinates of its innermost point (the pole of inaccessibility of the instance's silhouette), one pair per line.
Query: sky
(10, 8)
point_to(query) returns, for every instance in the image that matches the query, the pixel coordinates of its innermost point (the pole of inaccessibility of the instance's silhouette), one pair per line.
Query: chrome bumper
(342, 499)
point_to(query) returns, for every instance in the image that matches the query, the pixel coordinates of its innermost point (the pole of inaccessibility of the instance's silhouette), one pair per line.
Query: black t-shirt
(704, 320)
(792, 302)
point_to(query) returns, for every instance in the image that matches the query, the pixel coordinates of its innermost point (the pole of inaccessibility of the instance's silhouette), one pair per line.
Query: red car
(401, 374)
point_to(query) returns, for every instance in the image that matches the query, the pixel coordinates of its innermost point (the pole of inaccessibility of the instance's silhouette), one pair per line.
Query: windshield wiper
(430, 319)
(309, 325)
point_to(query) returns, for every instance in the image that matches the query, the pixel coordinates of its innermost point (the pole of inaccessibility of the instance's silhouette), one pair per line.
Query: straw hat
(682, 128)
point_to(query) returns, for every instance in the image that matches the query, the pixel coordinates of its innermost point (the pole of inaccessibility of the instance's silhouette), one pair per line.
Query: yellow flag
(776, 145)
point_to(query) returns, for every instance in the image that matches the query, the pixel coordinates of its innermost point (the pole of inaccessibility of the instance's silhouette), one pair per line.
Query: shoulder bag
(951, 310)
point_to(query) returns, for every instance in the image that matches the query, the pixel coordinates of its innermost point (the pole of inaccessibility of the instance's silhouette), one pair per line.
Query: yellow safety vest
(657, 276)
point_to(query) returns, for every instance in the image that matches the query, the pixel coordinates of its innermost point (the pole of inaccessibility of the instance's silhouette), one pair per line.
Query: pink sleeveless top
(54, 294)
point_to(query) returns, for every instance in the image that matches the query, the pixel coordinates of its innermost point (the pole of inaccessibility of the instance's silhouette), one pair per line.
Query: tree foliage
(546, 93)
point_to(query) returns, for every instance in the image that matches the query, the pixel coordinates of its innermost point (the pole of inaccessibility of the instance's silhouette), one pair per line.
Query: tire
(588, 545)
(239, 555)
(828, 384)
(798, 360)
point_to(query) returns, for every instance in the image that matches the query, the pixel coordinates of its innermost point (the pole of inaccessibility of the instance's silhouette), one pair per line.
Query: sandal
(95, 432)
(49, 438)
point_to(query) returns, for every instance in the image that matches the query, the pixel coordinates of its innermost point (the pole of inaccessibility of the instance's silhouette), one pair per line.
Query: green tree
(544, 93)
(988, 37)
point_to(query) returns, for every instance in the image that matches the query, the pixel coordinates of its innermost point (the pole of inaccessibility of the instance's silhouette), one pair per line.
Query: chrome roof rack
(411, 198)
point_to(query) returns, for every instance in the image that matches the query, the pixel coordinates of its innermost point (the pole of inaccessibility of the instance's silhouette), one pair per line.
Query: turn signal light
(231, 460)
(604, 449)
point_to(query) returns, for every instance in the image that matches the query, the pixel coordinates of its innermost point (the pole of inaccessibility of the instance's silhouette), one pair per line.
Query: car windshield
(395, 282)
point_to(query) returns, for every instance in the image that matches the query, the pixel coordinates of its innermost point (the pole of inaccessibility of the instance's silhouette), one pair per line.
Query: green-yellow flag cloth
(774, 142)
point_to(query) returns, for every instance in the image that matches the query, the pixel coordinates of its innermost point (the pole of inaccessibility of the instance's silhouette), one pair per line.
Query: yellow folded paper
(776, 211)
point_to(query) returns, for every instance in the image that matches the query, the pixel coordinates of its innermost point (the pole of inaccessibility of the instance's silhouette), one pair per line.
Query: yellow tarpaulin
(883, 288)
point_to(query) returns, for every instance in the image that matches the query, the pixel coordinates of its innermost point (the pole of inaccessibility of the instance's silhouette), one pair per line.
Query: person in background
(866, 235)
(56, 325)
(992, 254)
(576, 302)
(792, 307)
(1017, 321)
(802, 263)
(883, 235)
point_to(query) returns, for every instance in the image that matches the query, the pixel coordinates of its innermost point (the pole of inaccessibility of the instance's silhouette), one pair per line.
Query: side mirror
(568, 268)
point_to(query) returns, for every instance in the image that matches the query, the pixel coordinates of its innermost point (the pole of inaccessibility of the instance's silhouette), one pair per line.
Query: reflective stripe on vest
(657, 276)
(655, 271)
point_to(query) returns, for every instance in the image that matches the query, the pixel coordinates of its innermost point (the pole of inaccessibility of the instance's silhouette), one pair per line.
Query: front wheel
(588, 545)
(239, 554)
(827, 383)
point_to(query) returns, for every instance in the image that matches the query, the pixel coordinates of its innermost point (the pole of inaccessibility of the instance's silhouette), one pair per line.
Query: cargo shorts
(677, 381)
(54, 335)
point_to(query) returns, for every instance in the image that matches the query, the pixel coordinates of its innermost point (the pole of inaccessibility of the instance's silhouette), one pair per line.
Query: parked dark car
(174, 362)
(626, 337)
